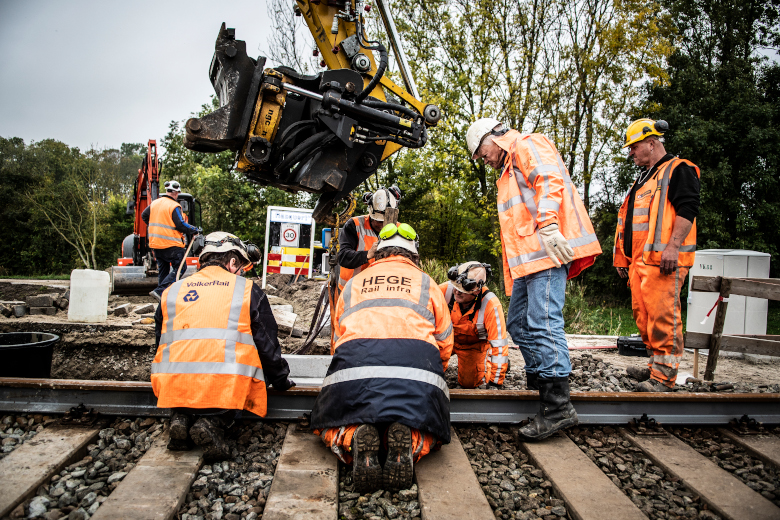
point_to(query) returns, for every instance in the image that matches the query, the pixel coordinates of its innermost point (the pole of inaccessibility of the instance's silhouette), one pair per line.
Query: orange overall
(366, 239)
(655, 297)
(479, 331)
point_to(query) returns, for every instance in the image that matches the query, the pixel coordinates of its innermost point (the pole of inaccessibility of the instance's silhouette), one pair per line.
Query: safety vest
(474, 333)
(535, 190)
(655, 216)
(162, 233)
(366, 240)
(394, 342)
(207, 357)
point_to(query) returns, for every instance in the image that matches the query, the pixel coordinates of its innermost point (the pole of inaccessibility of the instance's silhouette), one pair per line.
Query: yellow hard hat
(641, 128)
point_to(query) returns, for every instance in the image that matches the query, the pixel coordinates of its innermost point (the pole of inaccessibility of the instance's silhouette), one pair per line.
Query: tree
(723, 108)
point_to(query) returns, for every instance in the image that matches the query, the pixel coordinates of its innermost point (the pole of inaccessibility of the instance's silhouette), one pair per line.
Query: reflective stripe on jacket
(207, 356)
(162, 231)
(654, 214)
(394, 342)
(488, 327)
(366, 239)
(535, 190)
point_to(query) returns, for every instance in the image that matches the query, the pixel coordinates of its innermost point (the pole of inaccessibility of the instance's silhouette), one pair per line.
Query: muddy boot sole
(180, 445)
(399, 467)
(366, 470)
(211, 439)
(180, 426)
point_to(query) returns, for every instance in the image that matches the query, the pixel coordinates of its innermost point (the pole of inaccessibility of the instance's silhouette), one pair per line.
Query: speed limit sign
(290, 234)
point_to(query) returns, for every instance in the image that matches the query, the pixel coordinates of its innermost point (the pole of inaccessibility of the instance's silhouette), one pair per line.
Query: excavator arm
(324, 133)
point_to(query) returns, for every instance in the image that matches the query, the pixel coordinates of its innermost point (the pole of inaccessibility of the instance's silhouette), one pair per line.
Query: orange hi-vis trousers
(655, 301)
(339, 440)
(471, 364)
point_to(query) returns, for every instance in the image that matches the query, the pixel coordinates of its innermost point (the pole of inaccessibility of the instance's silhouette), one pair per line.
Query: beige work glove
(557, 247)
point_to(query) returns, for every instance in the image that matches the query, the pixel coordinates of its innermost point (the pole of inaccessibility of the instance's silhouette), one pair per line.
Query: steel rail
(466, 406)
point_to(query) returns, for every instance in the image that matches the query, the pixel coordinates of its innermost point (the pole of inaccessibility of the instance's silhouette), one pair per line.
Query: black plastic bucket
(26, 354)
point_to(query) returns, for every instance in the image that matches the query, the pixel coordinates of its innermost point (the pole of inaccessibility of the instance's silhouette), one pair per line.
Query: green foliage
(583, 317)
(723, 108)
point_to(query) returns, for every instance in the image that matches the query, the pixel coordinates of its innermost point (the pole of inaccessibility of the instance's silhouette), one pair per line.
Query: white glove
(557, 247)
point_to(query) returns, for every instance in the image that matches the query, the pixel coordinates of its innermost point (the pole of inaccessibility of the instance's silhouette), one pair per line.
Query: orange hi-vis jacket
(366, 239)
(655, 214)
(207, 356)
(535, 190)
(488, 327)
(394, 341)
(162, 233)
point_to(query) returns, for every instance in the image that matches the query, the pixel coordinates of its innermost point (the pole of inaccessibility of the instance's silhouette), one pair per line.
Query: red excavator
(136, 270)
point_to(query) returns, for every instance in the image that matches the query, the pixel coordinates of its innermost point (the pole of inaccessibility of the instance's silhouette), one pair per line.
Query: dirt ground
(123, 350)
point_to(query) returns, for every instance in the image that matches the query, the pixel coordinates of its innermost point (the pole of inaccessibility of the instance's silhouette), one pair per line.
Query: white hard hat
(172, 186)
(380, 201)
(473, 271)
(397, 239)
(477, 132)
(222, 242)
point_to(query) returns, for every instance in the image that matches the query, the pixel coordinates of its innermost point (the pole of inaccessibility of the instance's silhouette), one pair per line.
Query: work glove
(286, 385)
(557, 247)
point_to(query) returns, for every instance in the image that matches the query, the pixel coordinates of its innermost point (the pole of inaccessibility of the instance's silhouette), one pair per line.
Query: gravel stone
(37, 507)
(15, 430)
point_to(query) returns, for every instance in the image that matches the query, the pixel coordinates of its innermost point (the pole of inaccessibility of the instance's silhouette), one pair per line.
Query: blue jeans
(168, 261)
(535, 322)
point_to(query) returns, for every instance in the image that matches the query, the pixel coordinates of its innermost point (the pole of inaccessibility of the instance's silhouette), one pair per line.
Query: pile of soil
(19, 292)
(303, 296)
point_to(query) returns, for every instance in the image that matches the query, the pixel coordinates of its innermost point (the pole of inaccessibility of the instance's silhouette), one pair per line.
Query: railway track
(592, 472)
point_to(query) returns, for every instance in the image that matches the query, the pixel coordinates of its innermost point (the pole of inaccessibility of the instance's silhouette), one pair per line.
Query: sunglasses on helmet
(252, 251)
(172, 186)
(462, 279)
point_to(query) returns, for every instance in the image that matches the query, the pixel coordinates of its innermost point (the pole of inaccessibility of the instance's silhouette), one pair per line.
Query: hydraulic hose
(302, 150)
(381, 105)
(380, 71)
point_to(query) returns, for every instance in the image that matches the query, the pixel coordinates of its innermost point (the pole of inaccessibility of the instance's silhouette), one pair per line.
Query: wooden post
(696, 363)
(717, 329)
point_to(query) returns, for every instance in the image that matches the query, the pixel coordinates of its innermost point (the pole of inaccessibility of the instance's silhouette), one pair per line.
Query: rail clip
(746, 426)
(646, 426)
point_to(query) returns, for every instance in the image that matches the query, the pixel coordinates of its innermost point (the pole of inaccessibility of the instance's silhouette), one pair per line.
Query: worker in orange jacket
(216, 348)
(393, 343)
(167, 226)
(655, 245)
(546, 238)
(478, 321)
(357, 243)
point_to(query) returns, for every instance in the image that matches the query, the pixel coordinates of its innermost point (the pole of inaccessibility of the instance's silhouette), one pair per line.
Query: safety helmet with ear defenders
(222, 242)
(468, 276)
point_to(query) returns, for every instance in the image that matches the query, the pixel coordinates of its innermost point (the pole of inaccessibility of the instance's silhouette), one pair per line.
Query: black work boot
(638, 373)
(366, 470)
(530, 381)
(207, 433)
(555, 410)
(399, 466)
(180, 426)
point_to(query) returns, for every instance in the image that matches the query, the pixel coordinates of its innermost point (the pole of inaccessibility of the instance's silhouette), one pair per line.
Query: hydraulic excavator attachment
(324, 133)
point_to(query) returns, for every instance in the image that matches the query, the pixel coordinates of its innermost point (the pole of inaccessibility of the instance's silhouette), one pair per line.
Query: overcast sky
(100, 73)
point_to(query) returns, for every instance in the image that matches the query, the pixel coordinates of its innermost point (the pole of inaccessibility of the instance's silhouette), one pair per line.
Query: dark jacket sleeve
(182, 226)
(348, 242)
(264, 332)
(157, 325)
(684, 192)
(145, 215)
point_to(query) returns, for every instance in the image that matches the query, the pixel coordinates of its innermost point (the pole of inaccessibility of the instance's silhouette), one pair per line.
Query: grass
(773, 318)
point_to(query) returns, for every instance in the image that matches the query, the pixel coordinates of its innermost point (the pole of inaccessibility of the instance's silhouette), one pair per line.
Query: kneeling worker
(216, 347)
(393, 343)
(478, 322)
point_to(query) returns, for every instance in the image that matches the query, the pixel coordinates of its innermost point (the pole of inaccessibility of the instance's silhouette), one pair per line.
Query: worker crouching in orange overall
(216, 348)
(386, 379)
(655, 245)
(481, 342)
